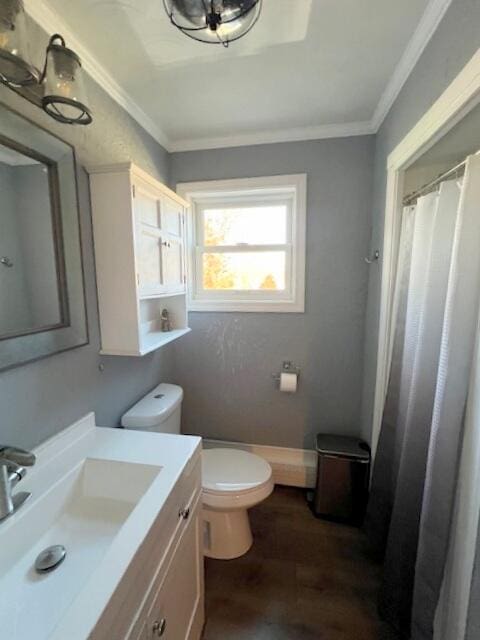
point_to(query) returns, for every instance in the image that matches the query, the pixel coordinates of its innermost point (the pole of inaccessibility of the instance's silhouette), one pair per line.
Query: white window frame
(288, 189)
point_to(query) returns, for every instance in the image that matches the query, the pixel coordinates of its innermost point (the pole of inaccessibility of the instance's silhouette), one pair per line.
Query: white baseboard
(291, 467)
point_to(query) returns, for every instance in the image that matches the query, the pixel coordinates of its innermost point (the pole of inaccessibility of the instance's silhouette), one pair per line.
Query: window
(246, 244)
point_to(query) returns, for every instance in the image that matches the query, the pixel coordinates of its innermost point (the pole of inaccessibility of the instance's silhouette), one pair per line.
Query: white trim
(460, 97)
(51, 22)
(295, 303)
(427, 26)
(320, 132)
(121, 167)
(291, 467)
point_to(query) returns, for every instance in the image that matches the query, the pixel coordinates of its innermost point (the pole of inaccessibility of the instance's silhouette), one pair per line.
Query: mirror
(31, 266)
(42, 309)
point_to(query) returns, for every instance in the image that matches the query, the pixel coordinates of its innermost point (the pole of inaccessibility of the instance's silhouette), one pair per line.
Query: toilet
(233, 480)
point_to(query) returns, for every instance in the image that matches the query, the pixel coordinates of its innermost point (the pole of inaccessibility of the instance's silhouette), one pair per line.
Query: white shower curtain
(417, 465)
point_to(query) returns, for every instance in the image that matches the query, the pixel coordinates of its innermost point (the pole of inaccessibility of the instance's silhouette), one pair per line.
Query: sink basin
(84, 510)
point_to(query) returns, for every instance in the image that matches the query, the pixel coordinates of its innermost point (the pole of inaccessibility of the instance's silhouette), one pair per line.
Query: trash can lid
(342, 447)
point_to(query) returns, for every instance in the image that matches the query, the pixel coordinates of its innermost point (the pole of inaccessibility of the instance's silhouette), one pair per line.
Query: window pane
(244, 271)
(250, 225)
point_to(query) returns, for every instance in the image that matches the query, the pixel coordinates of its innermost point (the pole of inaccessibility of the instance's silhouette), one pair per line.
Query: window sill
(246, 307)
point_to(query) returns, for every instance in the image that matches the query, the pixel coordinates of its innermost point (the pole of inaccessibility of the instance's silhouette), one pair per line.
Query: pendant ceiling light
(58, 89)
(213, 21)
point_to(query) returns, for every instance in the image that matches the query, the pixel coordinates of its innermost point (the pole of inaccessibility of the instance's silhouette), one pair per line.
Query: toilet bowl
(233, 480)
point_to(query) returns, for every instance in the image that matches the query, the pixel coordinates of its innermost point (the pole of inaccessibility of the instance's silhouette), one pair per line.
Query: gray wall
(40, 398)
(453, 44)
(225, 364)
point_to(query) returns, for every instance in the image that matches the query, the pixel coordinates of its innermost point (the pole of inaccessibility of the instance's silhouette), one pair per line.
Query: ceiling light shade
(213, 21)
(65, 97)
(16, 68)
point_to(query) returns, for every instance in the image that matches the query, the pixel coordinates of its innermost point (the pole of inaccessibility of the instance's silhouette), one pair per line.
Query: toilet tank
(160, 410)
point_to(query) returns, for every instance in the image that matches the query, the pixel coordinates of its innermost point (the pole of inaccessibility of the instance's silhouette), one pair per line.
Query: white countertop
(56, 458)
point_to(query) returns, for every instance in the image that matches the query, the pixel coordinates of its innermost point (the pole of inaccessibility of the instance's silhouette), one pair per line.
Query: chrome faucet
(12, 469)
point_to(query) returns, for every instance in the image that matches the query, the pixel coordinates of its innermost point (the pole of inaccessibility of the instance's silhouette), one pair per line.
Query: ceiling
(309, 68)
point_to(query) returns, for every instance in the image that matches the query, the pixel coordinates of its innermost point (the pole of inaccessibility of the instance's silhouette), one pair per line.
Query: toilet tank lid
(154, 408)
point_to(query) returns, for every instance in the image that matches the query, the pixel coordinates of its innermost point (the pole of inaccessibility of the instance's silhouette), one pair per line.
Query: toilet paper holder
(287, 367)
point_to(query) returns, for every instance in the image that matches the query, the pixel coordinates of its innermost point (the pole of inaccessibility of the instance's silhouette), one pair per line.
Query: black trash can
(342, 478)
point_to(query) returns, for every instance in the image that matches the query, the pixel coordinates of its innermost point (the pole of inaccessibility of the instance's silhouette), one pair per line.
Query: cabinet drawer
(122, 616)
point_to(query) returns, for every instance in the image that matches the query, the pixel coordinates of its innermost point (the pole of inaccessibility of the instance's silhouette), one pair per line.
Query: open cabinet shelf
(150, 342)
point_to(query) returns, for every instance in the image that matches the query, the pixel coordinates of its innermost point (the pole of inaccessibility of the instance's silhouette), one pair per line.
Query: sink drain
(50, 558)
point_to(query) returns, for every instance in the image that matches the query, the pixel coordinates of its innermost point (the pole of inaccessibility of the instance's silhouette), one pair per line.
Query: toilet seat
(234, 479)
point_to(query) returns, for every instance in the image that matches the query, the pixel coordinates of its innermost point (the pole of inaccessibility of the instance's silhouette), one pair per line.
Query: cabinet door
(149, 262)
(179, 602)
(171, 217)
(140, 634)
(149, 253)
(159, 245)
(172, 261)
(172, 226)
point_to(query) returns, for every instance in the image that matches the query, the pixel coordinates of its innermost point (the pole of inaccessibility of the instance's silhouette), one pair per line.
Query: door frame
(460, 97)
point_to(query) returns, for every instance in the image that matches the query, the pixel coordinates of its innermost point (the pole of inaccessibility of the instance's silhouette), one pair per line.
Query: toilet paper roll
(288, 382)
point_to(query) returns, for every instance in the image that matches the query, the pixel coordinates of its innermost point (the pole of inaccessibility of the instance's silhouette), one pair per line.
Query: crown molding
(427, 26)
(270, 137)
(51, 22)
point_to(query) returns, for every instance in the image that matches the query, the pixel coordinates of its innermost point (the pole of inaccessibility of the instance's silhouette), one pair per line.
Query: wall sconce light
(59, 88)
(64, 98)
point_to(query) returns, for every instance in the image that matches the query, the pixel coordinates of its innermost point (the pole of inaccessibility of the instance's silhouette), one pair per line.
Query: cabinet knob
(166, 244)
(184, 513)
(159, 627)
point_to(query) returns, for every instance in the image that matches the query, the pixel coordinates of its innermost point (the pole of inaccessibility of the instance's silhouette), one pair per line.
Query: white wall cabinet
(139, 239)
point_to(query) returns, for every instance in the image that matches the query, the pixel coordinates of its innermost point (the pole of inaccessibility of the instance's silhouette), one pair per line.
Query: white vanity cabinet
(139, 233)
(162, 593)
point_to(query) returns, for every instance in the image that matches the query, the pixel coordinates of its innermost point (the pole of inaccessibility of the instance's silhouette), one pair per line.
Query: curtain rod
(409, 198)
